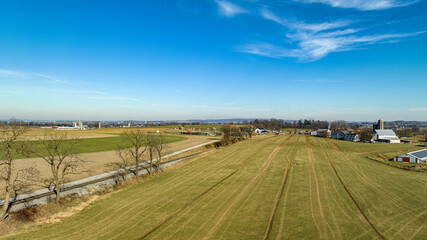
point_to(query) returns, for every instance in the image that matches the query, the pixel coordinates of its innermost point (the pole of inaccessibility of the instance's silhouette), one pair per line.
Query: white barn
(260, 130)
(413, 157)
(386, 135)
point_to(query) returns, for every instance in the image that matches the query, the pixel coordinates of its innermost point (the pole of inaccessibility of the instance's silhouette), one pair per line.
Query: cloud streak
(316, 40)
(363, 4)
(420, 109)
(229, 9)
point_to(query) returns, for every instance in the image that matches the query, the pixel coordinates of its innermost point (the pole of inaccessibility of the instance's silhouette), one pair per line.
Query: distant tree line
(278, 124)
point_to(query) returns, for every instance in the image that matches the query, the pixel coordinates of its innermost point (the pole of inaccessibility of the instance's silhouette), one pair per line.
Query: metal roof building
(386, 135)
(413, 157)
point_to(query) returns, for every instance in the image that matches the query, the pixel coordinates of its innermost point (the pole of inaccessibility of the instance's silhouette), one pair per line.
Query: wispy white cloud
(363, 4)
(229, 9)
(117, 98)
(316, 40)
(12, 73)
(420, 109)
(217, 107)
(318, 81)
(299, 25)
(312, 46)
(36, 76)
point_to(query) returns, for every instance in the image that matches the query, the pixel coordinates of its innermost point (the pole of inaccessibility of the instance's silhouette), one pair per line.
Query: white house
(413, 157)
(260, 130)
(313, 133)
(386, 135)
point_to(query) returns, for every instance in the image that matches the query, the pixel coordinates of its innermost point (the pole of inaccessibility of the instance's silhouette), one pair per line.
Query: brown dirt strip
(282, 189)
(198, 197)
(333, 146)
(351, 196)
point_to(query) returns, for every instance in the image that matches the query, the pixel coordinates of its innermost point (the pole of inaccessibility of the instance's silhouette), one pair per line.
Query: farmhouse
(413, 157)
(323, 133)
(386, 135)
(341, 135)
(352, 137)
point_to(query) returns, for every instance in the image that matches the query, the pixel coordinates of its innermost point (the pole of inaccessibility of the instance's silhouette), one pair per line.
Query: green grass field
(89, 145)
(277, 187)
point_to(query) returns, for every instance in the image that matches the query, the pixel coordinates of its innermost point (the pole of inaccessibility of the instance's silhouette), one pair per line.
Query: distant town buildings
(76, 126)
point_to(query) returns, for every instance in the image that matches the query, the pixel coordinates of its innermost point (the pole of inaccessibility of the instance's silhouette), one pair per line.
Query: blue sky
(192, 59)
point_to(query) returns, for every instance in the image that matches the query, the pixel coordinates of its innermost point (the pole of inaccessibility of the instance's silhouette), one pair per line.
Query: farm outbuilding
(323, 133)
(386, 135)
(413, 157)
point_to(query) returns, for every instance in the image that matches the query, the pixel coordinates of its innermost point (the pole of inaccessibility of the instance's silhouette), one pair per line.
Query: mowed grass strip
(89, 145)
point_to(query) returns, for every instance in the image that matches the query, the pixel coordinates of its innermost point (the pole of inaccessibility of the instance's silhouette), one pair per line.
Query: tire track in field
(281, 161)
(206, 204)
(120, 206)
(185, 176)
(200, 195)
(395, 199)
(417, 231)
(390, 196)
(333, 146)
(219, 207)
(412, 219)
(279, 197)
(311, 159)
(244, 192)
(351, 196)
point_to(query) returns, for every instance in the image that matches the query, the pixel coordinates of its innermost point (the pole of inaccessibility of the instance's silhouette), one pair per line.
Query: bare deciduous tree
(15, 180)
(138, 141)
(365, 135)
(60, 153)
(160, 148)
